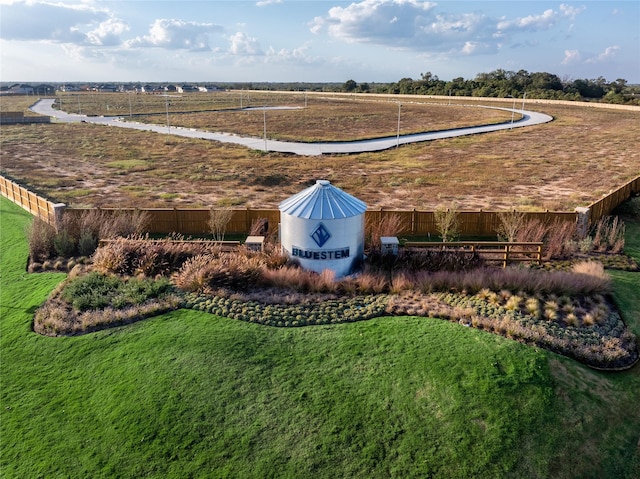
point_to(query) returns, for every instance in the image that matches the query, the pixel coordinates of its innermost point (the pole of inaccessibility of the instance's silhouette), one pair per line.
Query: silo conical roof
(322, 201)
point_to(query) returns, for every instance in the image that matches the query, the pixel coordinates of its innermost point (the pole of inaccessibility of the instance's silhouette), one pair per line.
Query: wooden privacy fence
(413, 223)
(191, 221)
(18, 117)
(491, 251)
(470, 223)
(606, 205)
(34, 204)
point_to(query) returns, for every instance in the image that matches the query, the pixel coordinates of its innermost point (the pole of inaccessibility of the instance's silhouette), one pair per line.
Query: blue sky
(314, 41)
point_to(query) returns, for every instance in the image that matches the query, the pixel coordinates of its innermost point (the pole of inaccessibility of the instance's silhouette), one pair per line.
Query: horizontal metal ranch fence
(194, 221)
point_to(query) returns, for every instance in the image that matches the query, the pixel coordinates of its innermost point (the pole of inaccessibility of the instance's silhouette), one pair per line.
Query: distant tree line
(503, 83)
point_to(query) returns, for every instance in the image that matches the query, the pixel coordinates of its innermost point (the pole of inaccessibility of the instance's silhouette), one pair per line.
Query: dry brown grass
(337, 120)
(570, 162)
(18, 103)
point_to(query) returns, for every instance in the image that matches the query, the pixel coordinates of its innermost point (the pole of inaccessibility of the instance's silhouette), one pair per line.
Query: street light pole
(166, 104)
(264, 115)
(513, 110)
(398, 133)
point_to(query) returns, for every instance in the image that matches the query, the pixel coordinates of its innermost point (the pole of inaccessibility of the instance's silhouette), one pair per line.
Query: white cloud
(424, 26)
(53, 22)
(298, 55)
(374, 20)
(108, 33)
(242, 44)
(571, 57)
(530, 23)
(177, 34)
(264, 3)
(608, 54)
(456, 26)
(570, 11)
(406, 24)
(479, 48)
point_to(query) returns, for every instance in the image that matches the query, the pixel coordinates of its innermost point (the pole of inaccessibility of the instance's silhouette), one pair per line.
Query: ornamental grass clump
(513, 303)
(40, 236)
(139, 255)
(224, 270)
(375, 228)
(608, 235)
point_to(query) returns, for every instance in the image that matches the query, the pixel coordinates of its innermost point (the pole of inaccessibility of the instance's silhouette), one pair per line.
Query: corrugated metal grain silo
(323, 228)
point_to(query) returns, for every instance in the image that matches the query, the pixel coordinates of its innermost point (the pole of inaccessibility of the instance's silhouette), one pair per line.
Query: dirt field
(570, 162)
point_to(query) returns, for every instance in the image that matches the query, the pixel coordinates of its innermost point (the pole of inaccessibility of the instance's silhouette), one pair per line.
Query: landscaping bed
(568, 312)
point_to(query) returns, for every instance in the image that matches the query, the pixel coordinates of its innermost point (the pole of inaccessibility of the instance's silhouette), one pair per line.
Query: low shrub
(510, 224)
(447, 224)
(87, 244)
(64, 244)
(630, 208)
(97, 291)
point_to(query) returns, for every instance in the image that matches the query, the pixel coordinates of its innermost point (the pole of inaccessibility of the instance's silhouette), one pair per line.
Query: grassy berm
(188, 394)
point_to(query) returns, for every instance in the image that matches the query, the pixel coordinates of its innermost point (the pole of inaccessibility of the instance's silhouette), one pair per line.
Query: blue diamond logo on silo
(321, 235)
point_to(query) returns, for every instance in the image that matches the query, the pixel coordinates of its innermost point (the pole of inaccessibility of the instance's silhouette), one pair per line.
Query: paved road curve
(45, 107)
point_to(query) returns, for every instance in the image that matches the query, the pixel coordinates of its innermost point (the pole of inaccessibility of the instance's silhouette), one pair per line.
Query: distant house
(20, 89)
(131, 88)
(67, 88)
(44, 89)
(186, 89)
(206, 88)
(171, 88)
(107, 88)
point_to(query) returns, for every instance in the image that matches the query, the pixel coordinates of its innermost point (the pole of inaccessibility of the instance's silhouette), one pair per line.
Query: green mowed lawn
(188, 394)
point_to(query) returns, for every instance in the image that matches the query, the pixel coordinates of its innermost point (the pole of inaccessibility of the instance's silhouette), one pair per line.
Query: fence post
(58, 212)
(582, 227)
